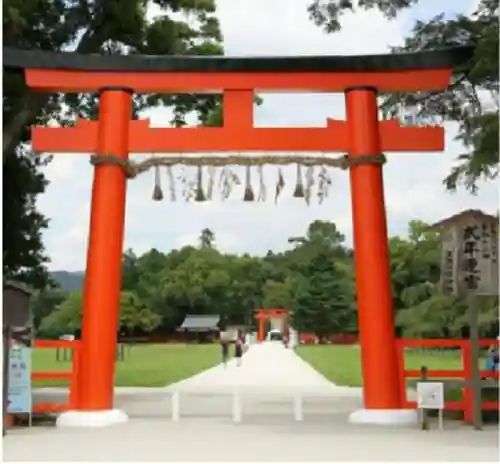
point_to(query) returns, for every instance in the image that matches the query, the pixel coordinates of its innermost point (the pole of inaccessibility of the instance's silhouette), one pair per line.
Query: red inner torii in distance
(263, 315)
(114, 136)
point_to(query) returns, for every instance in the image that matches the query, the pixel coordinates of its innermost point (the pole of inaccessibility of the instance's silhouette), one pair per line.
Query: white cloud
(413, 182)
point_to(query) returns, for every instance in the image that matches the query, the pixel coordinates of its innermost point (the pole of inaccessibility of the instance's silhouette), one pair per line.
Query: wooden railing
(467, 400)
(71, 376)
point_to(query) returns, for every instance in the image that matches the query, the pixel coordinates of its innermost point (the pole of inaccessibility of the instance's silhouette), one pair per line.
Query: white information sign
(19, 388)
(430, 395)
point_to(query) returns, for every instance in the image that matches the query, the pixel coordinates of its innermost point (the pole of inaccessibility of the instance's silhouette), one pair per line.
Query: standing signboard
(469, 268)
(17, 328)
(19, 400)
(430, 395)
(469, 260)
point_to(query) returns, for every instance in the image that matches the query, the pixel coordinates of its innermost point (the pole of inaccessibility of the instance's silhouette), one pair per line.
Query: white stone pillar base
(91, 418)
(384, 416)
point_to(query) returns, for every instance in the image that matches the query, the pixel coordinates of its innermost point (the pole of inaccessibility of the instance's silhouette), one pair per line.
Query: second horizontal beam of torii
(335, 137)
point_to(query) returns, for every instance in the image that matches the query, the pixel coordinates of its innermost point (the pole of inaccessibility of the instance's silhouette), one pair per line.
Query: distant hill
(69, 281)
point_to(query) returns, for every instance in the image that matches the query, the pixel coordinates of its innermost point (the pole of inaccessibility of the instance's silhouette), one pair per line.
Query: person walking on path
(238, 349)
(224, 343)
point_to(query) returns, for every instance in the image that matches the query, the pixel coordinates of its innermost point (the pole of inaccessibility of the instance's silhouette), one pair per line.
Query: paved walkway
(205, 432)
(265, 367)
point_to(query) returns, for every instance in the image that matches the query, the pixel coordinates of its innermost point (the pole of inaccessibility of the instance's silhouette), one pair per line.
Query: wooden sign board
(469, 260)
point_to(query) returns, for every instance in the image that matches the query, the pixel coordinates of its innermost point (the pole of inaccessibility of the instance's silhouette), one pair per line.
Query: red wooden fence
(337, 339)
(71, 376)
(466, 402)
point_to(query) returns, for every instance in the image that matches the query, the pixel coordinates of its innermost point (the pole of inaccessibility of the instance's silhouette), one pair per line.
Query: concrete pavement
(267, 380)
(266, 366)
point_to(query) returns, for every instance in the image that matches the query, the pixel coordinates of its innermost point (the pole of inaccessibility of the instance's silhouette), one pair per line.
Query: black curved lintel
(17, 59)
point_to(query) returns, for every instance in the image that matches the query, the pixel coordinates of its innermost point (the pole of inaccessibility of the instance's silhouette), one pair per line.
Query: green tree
(471, 101)
(44, 303)
(96, 26)
(322, 233)
(249, 275)
(277, 295)
(415, 262)
(321, 236)
(207, 239)
(199, 284)
(321, 304)
(24, 257)
(135, 315)
(67, 318)
(315, 279)
(320, 281)
(150, 268)
(130, 272)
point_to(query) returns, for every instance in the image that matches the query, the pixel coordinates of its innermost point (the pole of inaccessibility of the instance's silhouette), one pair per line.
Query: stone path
(205, 432)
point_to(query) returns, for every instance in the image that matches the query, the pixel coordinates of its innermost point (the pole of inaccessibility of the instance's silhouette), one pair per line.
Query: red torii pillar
(101, 292)
(381, 392)
(114, 136)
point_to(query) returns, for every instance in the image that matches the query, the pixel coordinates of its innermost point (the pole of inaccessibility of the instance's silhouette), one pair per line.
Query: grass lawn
(342, 364)
(144, 365)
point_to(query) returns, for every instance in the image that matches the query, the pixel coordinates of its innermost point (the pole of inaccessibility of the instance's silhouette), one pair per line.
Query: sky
(412, 182)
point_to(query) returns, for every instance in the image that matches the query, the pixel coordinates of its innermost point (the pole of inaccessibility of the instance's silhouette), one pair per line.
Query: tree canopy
(315, 279)
(108, 27)
(471, 101)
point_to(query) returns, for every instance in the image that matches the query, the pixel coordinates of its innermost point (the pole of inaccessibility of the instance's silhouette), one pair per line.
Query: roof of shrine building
(201, 322)
(466, 214)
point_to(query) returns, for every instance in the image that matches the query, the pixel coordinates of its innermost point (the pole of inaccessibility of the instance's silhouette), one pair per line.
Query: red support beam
(272, 312)
(236, 136)
(60, 80)
(238, 109)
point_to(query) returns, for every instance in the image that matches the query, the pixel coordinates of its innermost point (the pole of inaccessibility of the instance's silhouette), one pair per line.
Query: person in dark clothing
(238, 349)
(224, 350)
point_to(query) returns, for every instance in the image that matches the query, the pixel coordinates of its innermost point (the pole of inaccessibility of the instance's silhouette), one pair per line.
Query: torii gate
(268, 313)
(114, 135)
